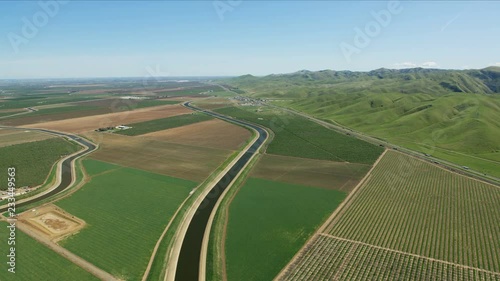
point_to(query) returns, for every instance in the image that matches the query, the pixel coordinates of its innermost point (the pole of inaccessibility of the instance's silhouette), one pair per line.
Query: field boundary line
(409, 254)
(352, 195)
(153, 255)
(332, 217)
(89, 267)
(460, 153)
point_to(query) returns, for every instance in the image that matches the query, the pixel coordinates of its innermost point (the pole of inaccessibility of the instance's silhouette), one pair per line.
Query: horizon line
(232, 76)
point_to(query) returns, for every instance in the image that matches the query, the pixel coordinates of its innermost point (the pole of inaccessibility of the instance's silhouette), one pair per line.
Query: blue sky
(194, 38)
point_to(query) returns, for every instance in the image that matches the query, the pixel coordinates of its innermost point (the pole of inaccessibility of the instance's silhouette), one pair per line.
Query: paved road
(189, 258)
(66, 168)
(91, 268)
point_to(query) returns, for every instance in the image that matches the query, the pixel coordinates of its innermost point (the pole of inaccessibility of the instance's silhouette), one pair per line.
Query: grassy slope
(33, 160)
(35, 262)
(417, 108)
(299, 137)
(126, 211)
(458, 127)
(269, 222)
(164, 123)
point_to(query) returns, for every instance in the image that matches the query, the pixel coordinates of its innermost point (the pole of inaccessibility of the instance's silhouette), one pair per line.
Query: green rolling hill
(451, 114)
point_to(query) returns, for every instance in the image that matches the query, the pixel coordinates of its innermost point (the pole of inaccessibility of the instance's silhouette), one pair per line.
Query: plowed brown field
(213, 133)
(11, 137)
(90, 123)
(178, 160)
(320, 173)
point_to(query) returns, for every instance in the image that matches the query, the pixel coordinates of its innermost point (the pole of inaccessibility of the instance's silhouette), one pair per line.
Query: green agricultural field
(164, 123)
(33, 160)
(61, 109)
(299, 137)
(126, 211)
(35, 262)
(55, 110)
(222, 93)
(80, 109)
(74, 110)
(329, 258)
(43, 99)
(269, 222)
(415, 207)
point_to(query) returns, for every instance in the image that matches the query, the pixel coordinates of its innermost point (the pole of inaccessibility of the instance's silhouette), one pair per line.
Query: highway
(188, 264)
(437, 161)
(66, 173)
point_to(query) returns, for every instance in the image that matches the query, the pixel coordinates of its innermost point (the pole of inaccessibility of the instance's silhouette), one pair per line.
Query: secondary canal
(66, 169)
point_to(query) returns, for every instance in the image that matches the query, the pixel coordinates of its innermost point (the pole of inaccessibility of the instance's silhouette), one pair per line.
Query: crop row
(33, 160)
(328, 258)
(35, 261)
(413, 206)
(126, 211)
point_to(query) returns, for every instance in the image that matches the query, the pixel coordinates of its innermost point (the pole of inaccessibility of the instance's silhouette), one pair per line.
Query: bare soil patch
(213, 133)
(319, 173)
(90, 123)
(52, 222)
(177, 160)
(112, 104)
(10, 137)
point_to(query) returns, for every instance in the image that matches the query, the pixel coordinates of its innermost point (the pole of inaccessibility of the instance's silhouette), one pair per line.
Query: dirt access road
(65, 169)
